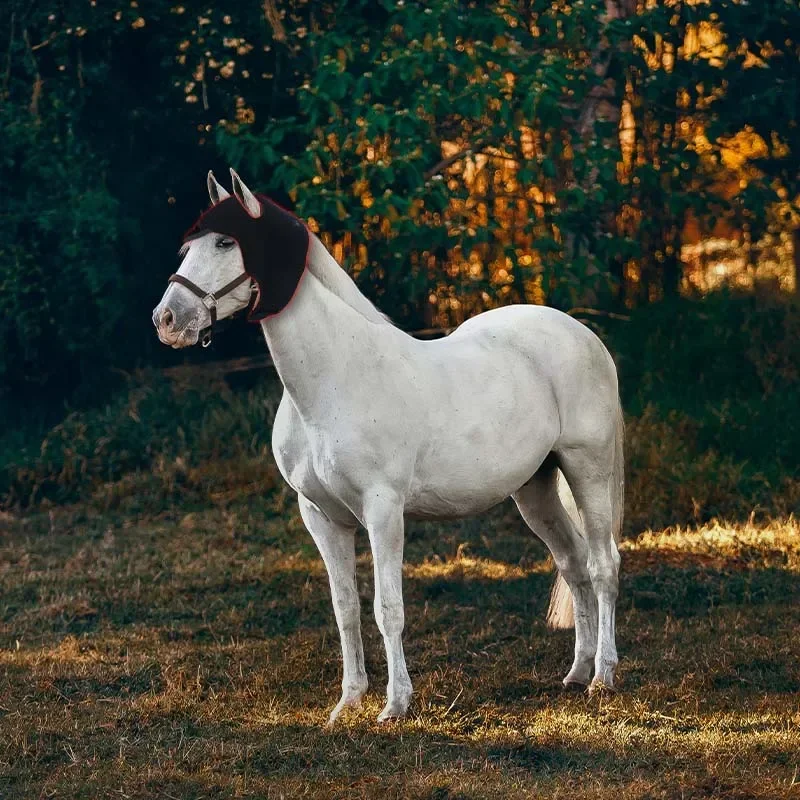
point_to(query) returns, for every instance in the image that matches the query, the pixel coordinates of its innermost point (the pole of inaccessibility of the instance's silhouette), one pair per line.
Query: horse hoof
(601, 689)
(392, 712)
(574, 687)
(388, 715)
(349, 701)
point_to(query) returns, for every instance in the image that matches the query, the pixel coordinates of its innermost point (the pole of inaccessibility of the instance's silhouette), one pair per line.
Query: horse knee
(390, 618)
(347, 609)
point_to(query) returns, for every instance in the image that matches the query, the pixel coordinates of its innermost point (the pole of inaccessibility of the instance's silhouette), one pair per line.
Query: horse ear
(245, 196)
(216, 191)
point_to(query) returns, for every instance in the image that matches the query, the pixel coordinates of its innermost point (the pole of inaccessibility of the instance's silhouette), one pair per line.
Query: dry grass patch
(193, 653)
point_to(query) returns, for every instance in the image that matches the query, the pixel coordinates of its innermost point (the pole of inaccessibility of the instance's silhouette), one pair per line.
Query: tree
(435, 138)
(455, 154)
(96, 152)
(470, 169)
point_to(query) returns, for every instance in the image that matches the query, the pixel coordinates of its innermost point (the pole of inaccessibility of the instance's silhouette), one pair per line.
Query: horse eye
(225, 242)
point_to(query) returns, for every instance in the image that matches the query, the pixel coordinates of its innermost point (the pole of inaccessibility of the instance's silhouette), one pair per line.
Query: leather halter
(209, 299)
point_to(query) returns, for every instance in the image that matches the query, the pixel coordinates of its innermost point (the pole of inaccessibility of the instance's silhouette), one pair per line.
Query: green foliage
(711, 388)
(97, 143)
(60, 277)
(706, 101)
(156, 430)
(384, 91)
(725, 361)
(371, 117)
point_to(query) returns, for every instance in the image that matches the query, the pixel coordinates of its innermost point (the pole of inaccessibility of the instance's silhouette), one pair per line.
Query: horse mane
(324, 267)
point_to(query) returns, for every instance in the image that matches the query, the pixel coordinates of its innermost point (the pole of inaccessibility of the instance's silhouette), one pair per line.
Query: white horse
(375, 426)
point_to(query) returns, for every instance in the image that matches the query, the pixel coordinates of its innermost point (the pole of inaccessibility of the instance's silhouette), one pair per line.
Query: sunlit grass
(194, 654)
(728, 545)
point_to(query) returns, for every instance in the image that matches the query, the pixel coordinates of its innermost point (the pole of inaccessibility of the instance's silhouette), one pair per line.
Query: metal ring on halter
(210, 300)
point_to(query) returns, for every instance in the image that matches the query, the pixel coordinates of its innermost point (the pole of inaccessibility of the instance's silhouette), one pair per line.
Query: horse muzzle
(174, 329)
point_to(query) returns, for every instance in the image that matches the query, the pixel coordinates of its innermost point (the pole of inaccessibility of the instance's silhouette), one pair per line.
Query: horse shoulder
(332, 462)
(290, 445)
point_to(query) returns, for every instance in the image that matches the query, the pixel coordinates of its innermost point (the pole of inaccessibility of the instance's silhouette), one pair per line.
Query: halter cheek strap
(209, 299)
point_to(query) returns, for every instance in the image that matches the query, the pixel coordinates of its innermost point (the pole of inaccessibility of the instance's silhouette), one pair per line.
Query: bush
(730, 362)
(157, 436)
(671, 479)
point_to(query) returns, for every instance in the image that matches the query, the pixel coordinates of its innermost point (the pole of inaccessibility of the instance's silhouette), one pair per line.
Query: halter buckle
(209, 301)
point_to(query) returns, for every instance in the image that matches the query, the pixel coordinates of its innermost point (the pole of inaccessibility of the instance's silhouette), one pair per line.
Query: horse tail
(560, 613)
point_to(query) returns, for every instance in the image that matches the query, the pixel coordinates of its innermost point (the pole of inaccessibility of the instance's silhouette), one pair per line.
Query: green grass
(195, 655)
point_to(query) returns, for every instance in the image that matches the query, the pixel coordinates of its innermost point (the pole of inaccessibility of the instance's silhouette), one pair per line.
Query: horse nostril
(167, 318)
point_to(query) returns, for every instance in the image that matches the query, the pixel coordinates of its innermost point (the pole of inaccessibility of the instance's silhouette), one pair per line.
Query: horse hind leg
(595, 477)
(540, 506)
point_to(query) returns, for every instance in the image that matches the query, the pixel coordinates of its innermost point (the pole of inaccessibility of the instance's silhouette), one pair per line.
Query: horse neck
(323, 266)
(314, 338)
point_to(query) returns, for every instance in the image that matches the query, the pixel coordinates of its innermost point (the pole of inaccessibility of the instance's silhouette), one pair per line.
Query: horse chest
(311, 465)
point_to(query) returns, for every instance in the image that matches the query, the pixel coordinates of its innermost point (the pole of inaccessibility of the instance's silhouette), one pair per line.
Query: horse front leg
(336, 544)
(384, 523)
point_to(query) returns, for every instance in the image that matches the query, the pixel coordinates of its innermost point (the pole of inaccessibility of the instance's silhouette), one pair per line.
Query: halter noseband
(209, 299)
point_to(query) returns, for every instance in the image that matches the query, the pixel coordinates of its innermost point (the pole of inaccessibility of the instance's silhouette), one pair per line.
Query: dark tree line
(456, 154)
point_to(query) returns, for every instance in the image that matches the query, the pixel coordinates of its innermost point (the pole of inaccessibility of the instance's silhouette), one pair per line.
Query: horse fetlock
(352, 695)
(355, 688)
(580, 673)
(605, 671)
(397, 703)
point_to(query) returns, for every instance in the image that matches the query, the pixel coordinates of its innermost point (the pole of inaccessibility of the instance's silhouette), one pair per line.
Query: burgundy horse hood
(274, 248)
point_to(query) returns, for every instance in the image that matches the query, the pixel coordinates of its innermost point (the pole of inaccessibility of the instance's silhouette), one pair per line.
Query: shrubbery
(155, 436)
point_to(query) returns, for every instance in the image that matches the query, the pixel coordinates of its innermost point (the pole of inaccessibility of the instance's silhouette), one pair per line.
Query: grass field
(166, 628)
(189, 654)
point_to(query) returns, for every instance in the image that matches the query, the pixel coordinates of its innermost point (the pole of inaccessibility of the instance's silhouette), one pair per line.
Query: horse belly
(461, 488)
(470, 467)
